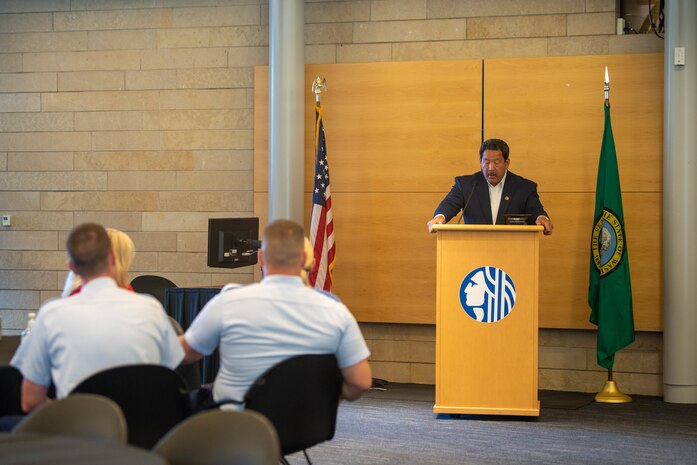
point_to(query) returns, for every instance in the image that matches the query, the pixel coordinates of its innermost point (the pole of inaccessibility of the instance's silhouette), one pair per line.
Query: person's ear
(71, 266)
(261, 259)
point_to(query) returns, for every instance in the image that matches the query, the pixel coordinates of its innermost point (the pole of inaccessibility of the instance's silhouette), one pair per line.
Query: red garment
(77, 289)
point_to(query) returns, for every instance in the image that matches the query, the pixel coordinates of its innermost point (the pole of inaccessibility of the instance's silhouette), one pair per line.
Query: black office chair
(300, 396)
(153, 285)
(10, 391)
(153, 399)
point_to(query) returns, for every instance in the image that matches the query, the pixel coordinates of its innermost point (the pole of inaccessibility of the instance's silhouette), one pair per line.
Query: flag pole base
(612, 395)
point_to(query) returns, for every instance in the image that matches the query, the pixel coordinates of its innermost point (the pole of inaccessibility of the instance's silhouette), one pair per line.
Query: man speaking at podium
(487, 195)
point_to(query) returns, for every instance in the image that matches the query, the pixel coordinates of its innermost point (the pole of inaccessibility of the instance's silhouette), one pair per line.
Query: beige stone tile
(571, 380)
(648, 342)
(183, 58)
(110, 201)
(13, 321)
(90, 80)
(566, 338)
(45, 296)
(82, 61)
(191, 262)
(192, 242)
(40, 161)
(125, 221)
(28, 82)
(36, 122)
(247, 56)
(39, 260)
(241, 277)
(635, 43)
(392, 10)
(41, 221)
(28, 240)
(144, 262)
(109, 121)
(122, 40)
(175, 221)
(207, 139)
(590, 23)
(154, 241)
(217, 181)
(31, 22)
(141, 181)
(581, 45)
(423, 373)
(240, 36)
(10, 62)
(44, 141)
(422, 352)
(410, 31)
(632, 361)
(198, 119)
(134, 160)
(100, 101)
(22, 6)
(223, 201)
(363, 53)
(320, 54)
(30, 280)
(397, 331)
(203, 99)
(20, 102)
(392, 371)
(16, 300)
(641, 384)
(224, 78)
(107, 20)
(476, 8)
(11, 260)
(337, 12)
(227, 160)
(45, 42)
(388, 350)
(81, 5)
(331, 33)
(160, 79)
(462, 50)
(184, 38)
(562, 358)
(51, 181)
(20, 201)
(3, 161)
(593, 6)
(516, 26)
(126, 140)
(217, 16)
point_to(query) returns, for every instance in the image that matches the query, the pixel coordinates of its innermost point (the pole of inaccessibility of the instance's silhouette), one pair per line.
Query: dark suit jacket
(519, 196)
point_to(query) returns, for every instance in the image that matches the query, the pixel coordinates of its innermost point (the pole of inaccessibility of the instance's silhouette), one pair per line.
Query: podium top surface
(486, 227)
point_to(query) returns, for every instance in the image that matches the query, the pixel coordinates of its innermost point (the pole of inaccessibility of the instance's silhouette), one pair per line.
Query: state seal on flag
(607, 243)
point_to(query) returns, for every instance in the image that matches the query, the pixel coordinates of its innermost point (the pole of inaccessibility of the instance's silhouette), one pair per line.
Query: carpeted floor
(398, 426)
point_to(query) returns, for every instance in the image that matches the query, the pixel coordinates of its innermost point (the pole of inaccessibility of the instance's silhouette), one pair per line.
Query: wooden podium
(487, 368)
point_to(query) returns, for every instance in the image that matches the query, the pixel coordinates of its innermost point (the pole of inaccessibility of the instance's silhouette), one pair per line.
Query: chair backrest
(300, 396)
(215, 437)
(85, 415)
(153, 399)
(10, 391)
(191, 372)
(153, 285)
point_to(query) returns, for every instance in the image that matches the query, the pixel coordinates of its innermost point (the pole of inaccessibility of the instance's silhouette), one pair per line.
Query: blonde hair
(124, 251)
(309, 261)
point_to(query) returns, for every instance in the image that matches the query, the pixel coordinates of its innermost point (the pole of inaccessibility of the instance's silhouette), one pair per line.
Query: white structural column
(680, 204)
(286, 87)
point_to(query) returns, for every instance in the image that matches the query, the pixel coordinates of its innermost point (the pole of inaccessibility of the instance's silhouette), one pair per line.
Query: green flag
(610, 289)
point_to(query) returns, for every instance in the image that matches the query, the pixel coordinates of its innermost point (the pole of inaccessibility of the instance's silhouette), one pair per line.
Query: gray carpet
(398, 426)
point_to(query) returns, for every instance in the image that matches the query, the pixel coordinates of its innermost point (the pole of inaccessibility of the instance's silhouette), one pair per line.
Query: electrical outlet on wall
(7, 220)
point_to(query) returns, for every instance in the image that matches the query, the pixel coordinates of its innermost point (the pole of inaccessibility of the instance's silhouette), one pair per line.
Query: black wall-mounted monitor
(233, 242)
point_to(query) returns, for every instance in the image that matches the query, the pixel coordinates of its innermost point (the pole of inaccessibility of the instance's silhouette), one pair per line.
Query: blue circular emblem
(607, 243)
(487, 294)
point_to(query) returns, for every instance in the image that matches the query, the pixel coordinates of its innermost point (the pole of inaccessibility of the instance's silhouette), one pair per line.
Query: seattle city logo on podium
(487, 294)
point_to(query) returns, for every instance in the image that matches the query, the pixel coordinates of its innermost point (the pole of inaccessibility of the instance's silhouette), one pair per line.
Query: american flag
(321, 225)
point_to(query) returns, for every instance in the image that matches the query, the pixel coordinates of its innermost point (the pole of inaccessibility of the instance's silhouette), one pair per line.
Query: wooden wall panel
(550, 111)
(397, 134)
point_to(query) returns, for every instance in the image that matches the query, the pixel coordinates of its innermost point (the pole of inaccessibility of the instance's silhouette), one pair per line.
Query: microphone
(467, 202)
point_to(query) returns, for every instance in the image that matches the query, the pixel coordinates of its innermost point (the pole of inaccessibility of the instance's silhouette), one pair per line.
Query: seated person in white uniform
(262, 324)
(101, 327)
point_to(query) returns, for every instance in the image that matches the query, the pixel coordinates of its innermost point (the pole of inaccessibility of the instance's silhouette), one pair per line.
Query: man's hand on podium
(545, 223)
(438, 219)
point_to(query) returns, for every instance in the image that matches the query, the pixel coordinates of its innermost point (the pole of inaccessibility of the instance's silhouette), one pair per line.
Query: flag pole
(319, 85)
(610, 393)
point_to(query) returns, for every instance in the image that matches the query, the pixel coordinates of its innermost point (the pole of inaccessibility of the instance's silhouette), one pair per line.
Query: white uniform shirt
(495, 193)
(259, 325)
(103, 326)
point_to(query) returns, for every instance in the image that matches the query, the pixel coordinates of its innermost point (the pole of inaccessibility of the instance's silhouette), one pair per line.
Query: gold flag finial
(319, 85)
(607, 85)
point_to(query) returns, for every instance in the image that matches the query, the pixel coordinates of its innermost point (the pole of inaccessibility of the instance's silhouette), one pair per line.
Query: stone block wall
(138, 114)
